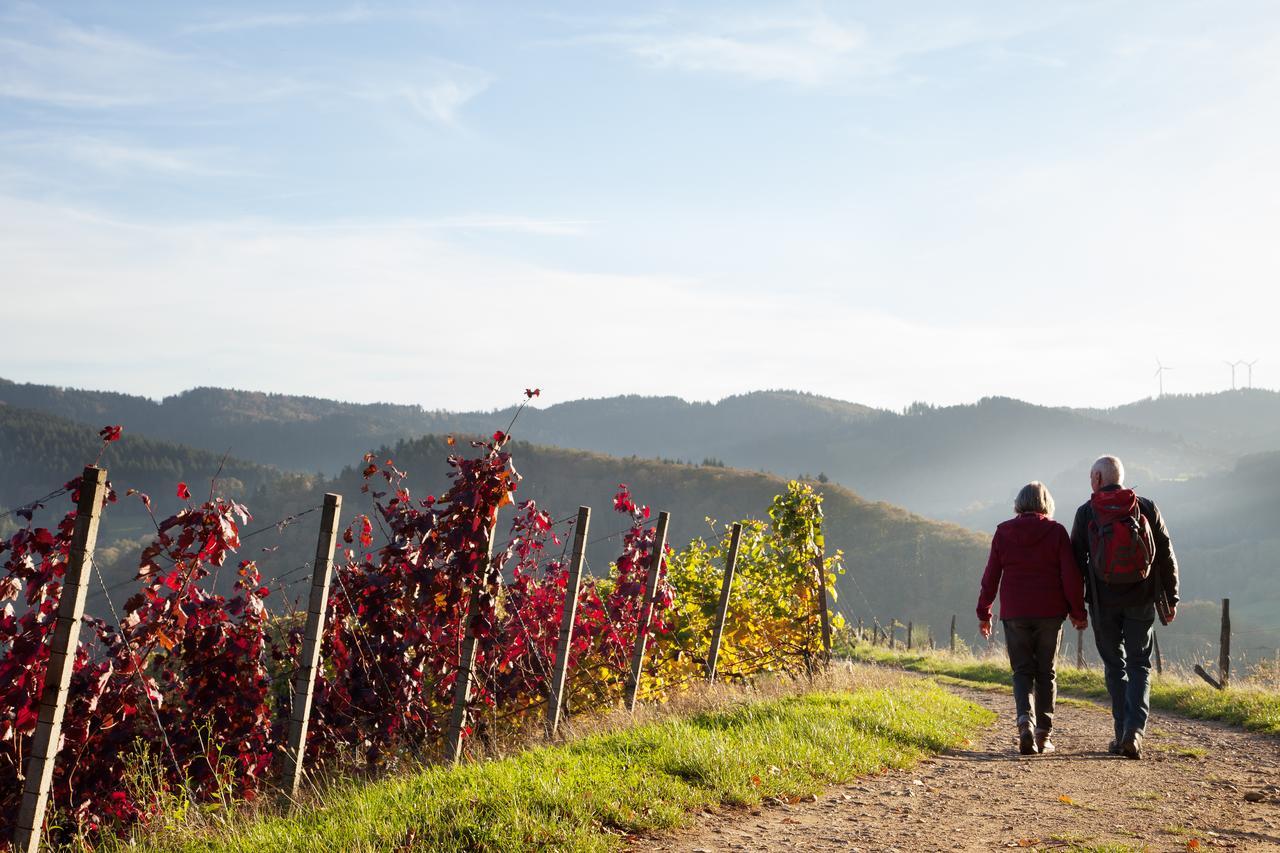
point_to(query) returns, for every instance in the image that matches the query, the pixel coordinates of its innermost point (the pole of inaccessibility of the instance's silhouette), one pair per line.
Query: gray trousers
(1033, 652)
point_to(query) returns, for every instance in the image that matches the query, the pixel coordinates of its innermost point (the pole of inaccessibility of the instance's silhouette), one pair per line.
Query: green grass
(593, 793)
(1252, 708)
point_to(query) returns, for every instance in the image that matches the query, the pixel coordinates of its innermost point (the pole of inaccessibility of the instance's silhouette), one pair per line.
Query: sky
(446, 203)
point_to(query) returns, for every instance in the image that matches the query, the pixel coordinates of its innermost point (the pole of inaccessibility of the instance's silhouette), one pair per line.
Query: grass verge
(593, 793)
(1253, 708)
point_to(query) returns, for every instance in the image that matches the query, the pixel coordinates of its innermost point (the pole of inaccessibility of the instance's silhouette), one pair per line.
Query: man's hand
(1079, 624)
(1173, 613)
(985, 628)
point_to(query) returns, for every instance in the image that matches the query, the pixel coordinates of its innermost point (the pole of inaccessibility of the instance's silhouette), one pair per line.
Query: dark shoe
(1114, 747)
(1043, 744)
(1131, 745)
(1026, 740)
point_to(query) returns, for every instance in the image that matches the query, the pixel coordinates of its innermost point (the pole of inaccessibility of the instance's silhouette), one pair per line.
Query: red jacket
(1034, 568)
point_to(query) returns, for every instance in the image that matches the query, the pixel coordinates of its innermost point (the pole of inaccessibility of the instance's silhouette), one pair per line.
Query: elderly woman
(1033, 567)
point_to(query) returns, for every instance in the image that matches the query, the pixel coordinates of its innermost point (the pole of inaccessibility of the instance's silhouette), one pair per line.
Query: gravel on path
(1199, 786)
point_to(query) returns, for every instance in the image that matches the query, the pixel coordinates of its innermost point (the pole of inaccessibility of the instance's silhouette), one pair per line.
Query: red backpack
(1121, 547)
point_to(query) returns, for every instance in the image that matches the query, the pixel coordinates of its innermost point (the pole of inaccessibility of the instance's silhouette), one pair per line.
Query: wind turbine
(1249, 365)
(1159, 374)
(1232, 365)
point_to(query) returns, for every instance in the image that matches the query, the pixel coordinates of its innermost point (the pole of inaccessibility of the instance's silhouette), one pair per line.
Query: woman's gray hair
(1034, 497)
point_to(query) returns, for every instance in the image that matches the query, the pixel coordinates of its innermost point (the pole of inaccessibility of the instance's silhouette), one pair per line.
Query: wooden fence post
(57, 679)
(823, 610)
(722, 609)
(876, 631)
(304, 683)
(1155, 640)
(568, 613)
(862, 637)
(953, 632)
(466, 665)
(646, 612)
(893, 635)
(910, 630)
(1080, 649)
(1224, 650)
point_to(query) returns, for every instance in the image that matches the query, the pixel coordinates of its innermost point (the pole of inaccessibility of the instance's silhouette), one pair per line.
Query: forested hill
(306, 434)
(961, 463)
(894, 557)
(1241, 421)
(39, 452)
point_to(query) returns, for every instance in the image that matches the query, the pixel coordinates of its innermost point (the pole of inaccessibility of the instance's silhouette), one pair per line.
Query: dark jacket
(1164, 570)
(1032, 565)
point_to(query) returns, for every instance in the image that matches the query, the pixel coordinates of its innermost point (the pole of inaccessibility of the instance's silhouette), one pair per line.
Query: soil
(1199, 786)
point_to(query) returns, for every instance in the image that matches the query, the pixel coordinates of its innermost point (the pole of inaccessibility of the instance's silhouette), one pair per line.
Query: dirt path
(1187, 793)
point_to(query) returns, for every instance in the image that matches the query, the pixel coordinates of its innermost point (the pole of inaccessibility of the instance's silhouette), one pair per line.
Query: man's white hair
(1111, 469)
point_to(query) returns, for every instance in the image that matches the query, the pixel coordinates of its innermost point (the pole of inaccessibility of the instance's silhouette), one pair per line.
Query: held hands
(985, 628)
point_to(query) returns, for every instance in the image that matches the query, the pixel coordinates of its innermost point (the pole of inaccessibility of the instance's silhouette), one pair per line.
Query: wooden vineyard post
(953, 632)
(931, 646)
(1224, 649)
(568, 613)
(57, 680)
(1155, 641)
(304, 683)
(893, 635)
(876, 631)
(722, 609)
(466, 665)
(910, 630)
(646, 612)
(1080, 648)
(823, 611)
(862, 637)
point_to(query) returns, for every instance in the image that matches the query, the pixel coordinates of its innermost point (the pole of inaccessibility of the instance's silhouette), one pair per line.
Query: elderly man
(1123, 549)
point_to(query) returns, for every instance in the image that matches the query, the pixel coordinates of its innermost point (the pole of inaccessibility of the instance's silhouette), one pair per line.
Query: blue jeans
(1124, 636)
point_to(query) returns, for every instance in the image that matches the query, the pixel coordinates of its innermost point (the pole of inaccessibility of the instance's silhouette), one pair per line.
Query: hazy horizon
(546, 397)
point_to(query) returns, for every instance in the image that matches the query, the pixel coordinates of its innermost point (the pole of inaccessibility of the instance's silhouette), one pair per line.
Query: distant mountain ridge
(960, 463)
(40, 451)
(1246, 420)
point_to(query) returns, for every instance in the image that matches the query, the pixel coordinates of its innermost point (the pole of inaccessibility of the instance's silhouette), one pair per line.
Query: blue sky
(444, 203)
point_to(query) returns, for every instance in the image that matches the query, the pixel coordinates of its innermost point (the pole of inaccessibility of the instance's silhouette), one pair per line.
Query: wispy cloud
(353, 14)
(55, 62)
(281, 20)
(441, 100)
(806, 51)
(58, 63)
(116, 155)
(805, 48)
(434, 89)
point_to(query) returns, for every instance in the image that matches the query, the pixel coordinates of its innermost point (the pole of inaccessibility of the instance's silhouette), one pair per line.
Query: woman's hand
(985, 628)
(1080, 624)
